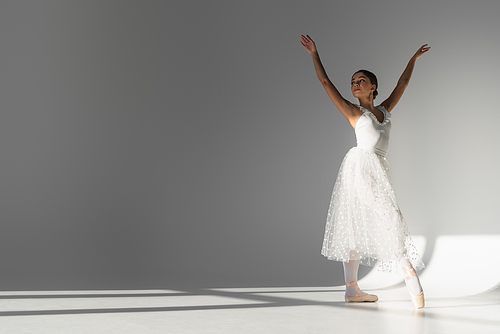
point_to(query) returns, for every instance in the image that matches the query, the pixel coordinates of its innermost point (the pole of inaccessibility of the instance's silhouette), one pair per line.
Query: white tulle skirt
(364, 221)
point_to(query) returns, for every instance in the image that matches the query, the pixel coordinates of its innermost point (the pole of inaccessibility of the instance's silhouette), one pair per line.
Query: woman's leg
(352, 292)
(414, 282)
(351, 275)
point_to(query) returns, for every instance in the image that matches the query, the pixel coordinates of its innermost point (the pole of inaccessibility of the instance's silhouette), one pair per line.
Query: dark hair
(373, 80)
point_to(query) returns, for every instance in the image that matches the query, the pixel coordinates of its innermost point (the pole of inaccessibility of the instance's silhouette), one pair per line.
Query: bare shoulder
(350, 109)
(381, 106)
(386, 106)
(352, 112)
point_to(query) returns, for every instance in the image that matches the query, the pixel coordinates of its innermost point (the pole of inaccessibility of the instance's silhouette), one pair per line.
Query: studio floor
(243, 310)
(462, 296)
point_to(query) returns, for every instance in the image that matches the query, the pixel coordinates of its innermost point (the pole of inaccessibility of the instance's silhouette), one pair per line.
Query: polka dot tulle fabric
(364, 221)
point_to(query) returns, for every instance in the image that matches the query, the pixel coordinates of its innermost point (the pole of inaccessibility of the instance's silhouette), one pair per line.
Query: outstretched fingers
(424, 48)
(308, 43)
(421, 50)
(308, 38)
(304, 40)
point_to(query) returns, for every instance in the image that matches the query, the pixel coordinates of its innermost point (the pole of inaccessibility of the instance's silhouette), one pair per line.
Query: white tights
(351, 275)
(414, 282)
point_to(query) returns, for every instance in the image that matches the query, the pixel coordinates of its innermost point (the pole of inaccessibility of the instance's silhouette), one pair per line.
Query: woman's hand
(309, 44)
(421, 50)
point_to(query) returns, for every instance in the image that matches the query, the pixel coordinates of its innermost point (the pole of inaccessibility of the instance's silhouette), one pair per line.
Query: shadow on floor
(251, 299)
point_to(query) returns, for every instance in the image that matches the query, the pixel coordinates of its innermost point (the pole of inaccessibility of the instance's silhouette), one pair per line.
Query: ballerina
(364, 222)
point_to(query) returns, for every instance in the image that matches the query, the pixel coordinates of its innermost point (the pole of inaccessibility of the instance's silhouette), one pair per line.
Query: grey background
(161, 143)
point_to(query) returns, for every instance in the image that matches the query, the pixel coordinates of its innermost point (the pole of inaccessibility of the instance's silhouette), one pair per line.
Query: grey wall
(158, 143)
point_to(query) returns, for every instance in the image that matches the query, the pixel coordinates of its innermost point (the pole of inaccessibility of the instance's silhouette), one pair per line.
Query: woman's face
(361, 86)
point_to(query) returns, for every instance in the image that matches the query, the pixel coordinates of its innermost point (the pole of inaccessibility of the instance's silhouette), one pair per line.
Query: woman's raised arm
(350, 111)
(404, 80)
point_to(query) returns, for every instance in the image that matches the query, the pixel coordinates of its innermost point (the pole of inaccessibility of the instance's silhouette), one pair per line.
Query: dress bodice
(372, 135)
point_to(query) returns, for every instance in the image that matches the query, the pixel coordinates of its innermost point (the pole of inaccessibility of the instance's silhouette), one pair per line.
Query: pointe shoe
(417, 300)
(358, 298)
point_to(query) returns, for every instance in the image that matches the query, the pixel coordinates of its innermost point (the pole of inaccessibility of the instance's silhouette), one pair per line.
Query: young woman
(364, 222)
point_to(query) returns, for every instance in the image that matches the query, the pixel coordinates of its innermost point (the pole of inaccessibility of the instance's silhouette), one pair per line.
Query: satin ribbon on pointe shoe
(417, 300)
(358, 298)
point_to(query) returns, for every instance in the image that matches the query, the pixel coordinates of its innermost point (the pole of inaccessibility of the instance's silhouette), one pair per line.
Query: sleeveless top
(372, 135)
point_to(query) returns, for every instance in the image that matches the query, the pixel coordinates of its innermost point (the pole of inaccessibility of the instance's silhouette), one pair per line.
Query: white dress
(364, 221)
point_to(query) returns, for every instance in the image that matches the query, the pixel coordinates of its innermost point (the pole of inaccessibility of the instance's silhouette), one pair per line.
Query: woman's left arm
(404, 80)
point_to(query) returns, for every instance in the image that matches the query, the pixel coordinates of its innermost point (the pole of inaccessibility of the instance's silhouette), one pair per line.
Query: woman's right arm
(350, 111)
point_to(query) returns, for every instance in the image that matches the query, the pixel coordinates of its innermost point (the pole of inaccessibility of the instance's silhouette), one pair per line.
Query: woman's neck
(366, 103)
